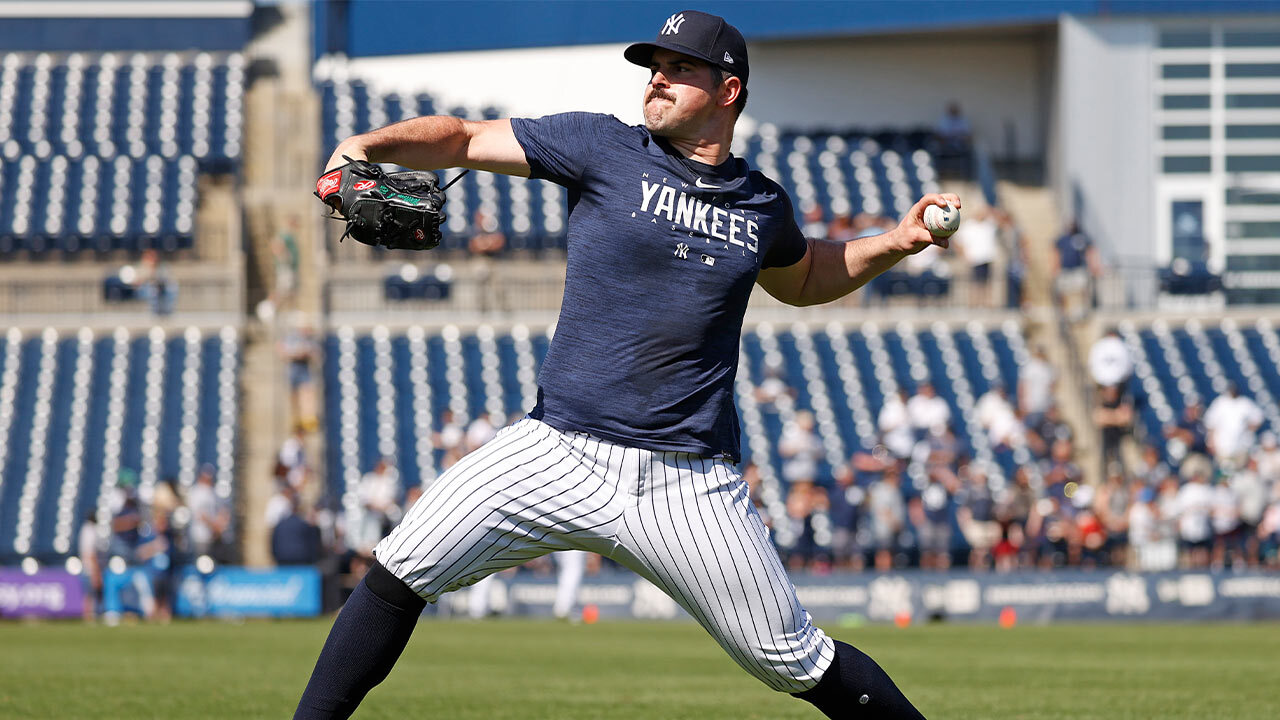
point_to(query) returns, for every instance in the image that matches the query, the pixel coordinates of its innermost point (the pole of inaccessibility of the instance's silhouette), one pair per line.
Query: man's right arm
(435, 142)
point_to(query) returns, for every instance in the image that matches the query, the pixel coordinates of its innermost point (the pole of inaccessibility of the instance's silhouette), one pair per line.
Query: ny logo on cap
(672, 26)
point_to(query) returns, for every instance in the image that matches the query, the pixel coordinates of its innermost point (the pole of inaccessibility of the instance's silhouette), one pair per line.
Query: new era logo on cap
(727, 58)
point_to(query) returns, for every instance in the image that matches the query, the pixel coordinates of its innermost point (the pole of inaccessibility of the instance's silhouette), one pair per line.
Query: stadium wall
(869, 82)
(1102, 164)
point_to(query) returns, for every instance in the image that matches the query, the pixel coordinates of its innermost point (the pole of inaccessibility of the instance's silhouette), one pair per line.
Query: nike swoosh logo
(705, 186)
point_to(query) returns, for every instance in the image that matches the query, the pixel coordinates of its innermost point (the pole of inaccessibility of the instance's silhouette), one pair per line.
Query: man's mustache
(661, 95)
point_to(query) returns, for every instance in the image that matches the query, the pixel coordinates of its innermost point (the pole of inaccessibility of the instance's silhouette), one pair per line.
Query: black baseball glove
(399, 211)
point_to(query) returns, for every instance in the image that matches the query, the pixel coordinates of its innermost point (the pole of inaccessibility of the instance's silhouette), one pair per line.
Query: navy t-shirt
(663, 254)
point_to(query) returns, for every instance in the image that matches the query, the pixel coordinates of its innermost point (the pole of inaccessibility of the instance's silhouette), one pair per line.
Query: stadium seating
(840, 173)
(1176, 365)
(383, 390)
(78, 409)
(101, 152)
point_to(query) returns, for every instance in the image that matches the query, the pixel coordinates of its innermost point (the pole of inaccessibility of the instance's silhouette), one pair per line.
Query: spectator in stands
(996, 415)
(1268, 457)
(299, 350)
(1151, 470)
(976, 515)
(450, 439)
(1188, 444)
(1052, 536)
(156, 553)
(815, 225)
(125, 527)
(284, 263)
(1269, 530)
(1111, 504)
(1232, 421)
(1075, 267)
(488, 239)
(1013, 245)
(1114, 418)
(1064, 476)
(1225, 517)
(154, 284)
(89, 550)
(978, 241)
(1036, 381)
(1192, 508)
(804, 501)
(1151, 546)
(1013, 509)
(378, 511)
(210, 517)
(931, 514)
(482, 430)
(1042, 435)
(887, 514)
(292, 457)
(955, 142)
(280, 504)
(841, 229)
(926, 410)
(800, 449)
(772, 388)
(1109, 360)
(295, 540)
(895, 425)
(844, 505)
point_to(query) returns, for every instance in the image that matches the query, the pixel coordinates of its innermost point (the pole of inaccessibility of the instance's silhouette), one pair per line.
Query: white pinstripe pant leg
(683, 522)
(529, 491)
(694, 533)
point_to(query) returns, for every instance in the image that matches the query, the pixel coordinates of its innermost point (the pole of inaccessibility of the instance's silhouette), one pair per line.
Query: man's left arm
(831, 270)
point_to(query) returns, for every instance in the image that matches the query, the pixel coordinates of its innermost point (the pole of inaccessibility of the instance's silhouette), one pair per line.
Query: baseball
(941, 222)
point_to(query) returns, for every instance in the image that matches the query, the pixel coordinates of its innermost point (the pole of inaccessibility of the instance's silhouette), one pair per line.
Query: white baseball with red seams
(942, 222)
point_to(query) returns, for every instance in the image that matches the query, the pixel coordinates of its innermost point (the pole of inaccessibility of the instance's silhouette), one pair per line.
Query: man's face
(680, 94)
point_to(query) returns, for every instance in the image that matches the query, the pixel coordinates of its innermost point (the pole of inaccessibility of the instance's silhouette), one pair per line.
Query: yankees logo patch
(672, 26)
(682, 251)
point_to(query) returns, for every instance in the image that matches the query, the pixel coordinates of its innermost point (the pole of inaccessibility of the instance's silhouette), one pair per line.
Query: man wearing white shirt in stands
(926, 410)
(895, 425)
(1109, 360)
(1193, 507)
(1232, 419)
(995, 414)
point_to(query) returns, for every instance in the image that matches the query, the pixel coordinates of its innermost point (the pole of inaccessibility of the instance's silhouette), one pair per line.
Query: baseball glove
(398, 211)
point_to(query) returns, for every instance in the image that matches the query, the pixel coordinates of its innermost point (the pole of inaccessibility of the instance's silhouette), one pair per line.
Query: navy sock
(365, 641)
(856, 687)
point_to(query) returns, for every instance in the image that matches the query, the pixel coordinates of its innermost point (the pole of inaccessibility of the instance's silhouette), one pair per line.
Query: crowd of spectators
(1205, 495)
(156, 531)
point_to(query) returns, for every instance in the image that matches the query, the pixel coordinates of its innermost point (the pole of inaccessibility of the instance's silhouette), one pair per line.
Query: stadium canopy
(359, 28)
(125, 25)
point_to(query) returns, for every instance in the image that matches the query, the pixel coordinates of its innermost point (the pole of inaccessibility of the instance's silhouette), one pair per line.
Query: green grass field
(525, 669)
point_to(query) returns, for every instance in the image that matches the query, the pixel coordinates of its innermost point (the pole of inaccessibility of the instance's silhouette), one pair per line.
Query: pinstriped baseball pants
(683, 522)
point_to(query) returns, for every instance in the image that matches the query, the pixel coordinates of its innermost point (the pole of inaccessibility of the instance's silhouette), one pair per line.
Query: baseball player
(632, 447)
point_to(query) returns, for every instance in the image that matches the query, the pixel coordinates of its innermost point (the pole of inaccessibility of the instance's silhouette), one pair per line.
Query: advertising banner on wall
(958, 596)
(44, 594)
(244, 592)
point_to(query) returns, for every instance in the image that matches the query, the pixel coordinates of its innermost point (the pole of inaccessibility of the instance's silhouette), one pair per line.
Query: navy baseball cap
(709, 38)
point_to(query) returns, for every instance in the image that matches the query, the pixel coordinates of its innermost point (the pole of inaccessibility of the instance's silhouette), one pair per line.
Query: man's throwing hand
(911, 235)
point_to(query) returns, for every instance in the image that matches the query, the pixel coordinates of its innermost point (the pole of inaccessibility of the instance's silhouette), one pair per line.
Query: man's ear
(730, 89)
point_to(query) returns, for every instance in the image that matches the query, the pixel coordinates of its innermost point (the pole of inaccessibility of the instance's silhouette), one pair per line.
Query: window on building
(1185, 102)
(1249, 101)
(1186, 38)
(1187, 164)
(1253, 132)
(1252, 70)
(1184, 72)
(1253, 163)
(1186, 132)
